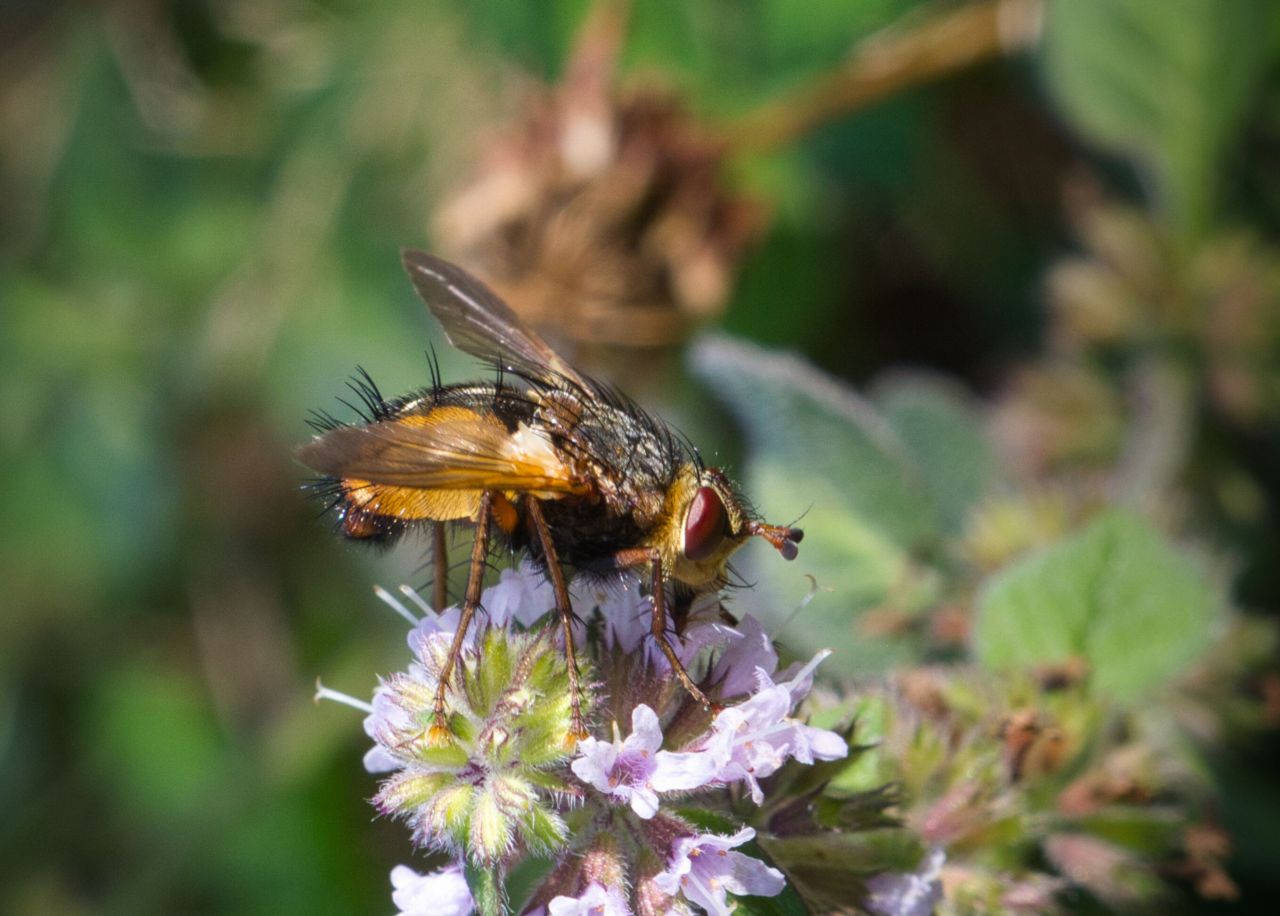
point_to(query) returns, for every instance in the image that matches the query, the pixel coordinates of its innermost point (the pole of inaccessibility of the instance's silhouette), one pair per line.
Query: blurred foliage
(1114, 595)
(1165, 86)
(200, 209)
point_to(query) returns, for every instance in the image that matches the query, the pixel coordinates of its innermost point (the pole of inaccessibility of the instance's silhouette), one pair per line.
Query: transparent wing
(476, 321)
(468, 453)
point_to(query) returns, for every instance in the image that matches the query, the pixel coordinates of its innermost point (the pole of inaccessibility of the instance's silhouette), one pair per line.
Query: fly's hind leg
(439, 732)
(577, 731)
(440, 563)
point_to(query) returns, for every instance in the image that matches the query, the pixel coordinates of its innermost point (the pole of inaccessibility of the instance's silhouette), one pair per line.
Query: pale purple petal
(387, 715)
(735, 669)
(626, 611)
(704, 868)
(706, 608)
(766, 706)
(594, 901)
(798, 679)
(821, 744)
(378, 760)
(646, 734)
(747, 875)
(644, 801)
(634, 771)
(387, 720)
(595, 762)
(441, 893)
(682, 772)
(524, 595)
(708, 635)
(621, 769)
(908, 894)
(433, 634)
(753, 739)
(628, 617)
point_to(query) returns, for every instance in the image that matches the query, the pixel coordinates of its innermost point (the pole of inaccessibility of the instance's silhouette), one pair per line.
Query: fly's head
(707, 520)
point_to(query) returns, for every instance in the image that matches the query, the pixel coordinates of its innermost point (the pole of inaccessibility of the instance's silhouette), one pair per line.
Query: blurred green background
(201, 205)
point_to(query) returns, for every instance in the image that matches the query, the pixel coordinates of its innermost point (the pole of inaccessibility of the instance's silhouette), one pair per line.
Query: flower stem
(888, 62)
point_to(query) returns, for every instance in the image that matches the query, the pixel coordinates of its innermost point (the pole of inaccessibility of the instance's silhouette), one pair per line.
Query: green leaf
(1117, 594)
(525, 877)
(161, 780)
(829, 869)
(787, 903)
(486, 886)
(942, 429)
(811, 425)
(1165, 82)
(816, 447)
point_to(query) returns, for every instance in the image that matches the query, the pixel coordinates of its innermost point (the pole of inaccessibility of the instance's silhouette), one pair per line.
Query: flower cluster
(510, 786)
(600, 213)
(1015, 789)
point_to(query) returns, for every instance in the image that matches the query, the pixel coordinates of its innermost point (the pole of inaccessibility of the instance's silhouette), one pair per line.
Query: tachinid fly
(544, 459)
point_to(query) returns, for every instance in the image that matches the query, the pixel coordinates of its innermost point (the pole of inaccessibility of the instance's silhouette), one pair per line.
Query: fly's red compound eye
(705, 525)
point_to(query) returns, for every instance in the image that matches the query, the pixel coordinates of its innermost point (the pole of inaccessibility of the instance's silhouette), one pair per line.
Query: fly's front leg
(639, 556)
(577, 731)
(439, 732)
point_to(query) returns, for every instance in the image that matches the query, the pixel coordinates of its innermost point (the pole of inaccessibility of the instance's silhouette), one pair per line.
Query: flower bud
(489, 789)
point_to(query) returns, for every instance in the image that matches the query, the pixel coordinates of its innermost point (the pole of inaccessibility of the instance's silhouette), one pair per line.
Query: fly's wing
(447, 450)
(476, 321)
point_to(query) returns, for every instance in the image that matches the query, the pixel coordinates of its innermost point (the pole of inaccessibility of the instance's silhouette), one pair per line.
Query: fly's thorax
(630, 457)
(704, 522)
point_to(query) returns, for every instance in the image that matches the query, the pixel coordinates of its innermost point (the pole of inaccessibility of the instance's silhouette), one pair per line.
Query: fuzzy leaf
(486, 886)
(543, 830)
(942, 429)
(1117, 594)
(787, 903)
(798, 418)
(1164, 83)
(490, 829)
(818, 448)
(829, 870)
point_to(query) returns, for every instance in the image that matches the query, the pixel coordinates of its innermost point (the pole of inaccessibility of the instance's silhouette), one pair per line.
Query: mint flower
(628, 617)
(491, 790)
(634, 771)
(441, 893)
(754, 739)
(595, 901)
(705, 868)
(523, 595)
(911, 894)
(747, 651)
(508, 785)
